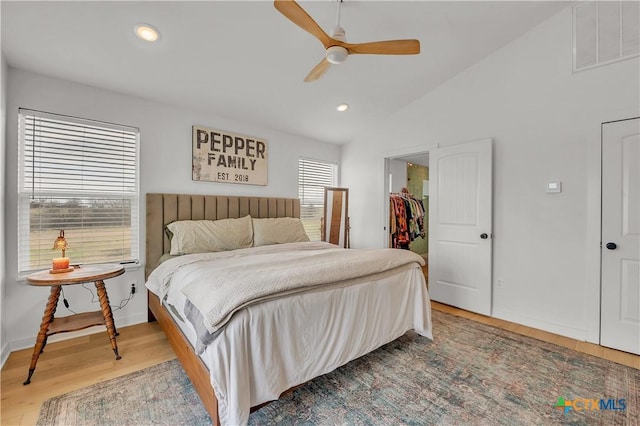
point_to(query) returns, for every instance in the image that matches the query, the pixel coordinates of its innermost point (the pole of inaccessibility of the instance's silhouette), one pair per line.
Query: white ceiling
(244, 60)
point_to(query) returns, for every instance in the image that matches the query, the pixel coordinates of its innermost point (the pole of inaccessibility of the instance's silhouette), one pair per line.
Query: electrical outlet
(133, 288)
(499, 283)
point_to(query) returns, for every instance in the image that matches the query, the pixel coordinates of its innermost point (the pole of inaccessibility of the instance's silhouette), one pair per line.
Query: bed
(266, 343)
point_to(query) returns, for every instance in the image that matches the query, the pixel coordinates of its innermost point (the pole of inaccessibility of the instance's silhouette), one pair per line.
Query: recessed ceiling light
(342, 107)
(147, 32)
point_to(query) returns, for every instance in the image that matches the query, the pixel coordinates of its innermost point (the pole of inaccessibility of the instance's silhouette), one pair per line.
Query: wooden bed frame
(163, 209)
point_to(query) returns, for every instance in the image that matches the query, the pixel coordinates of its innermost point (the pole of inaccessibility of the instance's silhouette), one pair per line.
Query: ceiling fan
(336, 46)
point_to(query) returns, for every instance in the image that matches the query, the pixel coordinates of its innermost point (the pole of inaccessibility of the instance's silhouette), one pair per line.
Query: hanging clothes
(406, 219)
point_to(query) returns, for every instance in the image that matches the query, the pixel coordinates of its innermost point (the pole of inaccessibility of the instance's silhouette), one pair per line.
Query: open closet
(409, 203)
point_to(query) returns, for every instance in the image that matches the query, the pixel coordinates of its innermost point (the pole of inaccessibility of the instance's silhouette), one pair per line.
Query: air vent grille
(605, 32)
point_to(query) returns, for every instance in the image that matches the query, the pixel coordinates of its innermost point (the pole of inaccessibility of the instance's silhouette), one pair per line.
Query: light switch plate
(554, 187)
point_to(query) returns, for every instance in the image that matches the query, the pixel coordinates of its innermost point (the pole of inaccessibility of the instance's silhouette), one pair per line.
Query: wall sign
(220, 156)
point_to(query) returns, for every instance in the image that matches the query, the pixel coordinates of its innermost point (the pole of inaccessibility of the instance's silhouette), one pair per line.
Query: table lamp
(60, 264)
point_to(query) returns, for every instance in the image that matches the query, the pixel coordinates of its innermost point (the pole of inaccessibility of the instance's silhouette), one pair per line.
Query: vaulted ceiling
(244, 60)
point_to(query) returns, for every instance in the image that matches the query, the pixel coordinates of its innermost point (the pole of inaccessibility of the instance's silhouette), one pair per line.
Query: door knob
(484, 236)
(611, 246)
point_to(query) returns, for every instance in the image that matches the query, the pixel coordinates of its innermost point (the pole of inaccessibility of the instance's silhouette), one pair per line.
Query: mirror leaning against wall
(334, 226)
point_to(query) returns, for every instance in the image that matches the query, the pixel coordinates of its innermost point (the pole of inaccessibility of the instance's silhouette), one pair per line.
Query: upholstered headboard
(163, 209)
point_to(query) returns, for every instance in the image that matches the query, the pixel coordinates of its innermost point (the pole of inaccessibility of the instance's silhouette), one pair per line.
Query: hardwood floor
(584, 347)
(76, 363)
(80, 362)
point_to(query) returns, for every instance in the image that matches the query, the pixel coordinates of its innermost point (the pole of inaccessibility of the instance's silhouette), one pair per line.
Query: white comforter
(268, 347)
(222, 283)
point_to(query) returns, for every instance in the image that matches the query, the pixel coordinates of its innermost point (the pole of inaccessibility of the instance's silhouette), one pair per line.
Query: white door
(460, 225)
(620, 286)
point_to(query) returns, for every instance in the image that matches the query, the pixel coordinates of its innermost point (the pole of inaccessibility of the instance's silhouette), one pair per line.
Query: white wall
(398, 171)
(4, 346)
(165, 166)
(545, 123)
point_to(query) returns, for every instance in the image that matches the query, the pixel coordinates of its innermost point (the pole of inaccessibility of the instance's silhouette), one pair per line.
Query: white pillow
(202, 236)
(278, 231)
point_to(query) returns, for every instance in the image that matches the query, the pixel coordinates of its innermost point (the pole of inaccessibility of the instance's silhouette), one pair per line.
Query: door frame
(593, 253)
(598, 329)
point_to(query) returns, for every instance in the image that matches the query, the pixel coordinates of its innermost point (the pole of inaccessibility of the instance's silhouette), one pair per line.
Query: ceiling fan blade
(298, 16)
(318, 71)
(389, 47)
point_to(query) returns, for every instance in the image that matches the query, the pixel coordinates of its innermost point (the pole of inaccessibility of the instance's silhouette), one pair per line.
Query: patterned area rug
(471, 374)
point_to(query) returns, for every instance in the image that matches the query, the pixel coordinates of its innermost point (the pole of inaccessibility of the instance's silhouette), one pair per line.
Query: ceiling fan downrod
(337, 54)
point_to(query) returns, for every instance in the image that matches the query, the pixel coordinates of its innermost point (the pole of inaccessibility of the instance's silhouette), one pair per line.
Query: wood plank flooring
(80, 362)
(74, 364)
(584, 347)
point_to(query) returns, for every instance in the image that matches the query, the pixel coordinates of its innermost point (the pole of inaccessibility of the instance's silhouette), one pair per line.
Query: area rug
(471, 374)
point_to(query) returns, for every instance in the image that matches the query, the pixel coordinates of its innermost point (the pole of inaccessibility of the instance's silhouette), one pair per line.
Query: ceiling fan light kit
(336, 47)
(337, 54)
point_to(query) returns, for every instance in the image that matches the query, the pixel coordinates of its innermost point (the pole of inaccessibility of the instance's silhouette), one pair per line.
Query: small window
(80, 176)
(313, 177)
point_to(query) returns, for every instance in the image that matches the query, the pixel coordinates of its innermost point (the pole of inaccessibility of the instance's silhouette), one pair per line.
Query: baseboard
(28, 342)
(4, 354)
(549, 326)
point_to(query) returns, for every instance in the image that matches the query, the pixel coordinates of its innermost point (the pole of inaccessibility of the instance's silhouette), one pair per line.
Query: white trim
(609, 62)
(549, 326)
(595, 229)
(4, 353)
(402, 152)
(593, 235)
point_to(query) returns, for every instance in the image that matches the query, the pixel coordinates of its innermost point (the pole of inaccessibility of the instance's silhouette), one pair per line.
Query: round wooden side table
(51, 325)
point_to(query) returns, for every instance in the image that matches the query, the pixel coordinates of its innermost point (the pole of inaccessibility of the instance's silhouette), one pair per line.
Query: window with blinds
(80, 176)
(313, 177)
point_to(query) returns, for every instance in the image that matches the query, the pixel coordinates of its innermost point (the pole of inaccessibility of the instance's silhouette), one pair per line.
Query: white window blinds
(313, 177)
(80, 176)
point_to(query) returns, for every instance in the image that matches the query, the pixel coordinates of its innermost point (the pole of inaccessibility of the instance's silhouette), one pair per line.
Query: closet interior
(409, 203)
